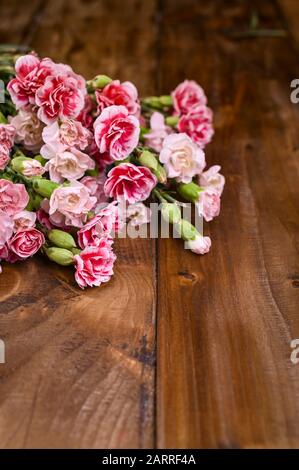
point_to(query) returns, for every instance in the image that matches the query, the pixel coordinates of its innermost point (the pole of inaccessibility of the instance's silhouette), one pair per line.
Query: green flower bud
(59, 255)
(149, 160)
(186, 230)
(153, 102)
(61, 239)
(40, 159)
(18, 153)
(172, 121)
(17, 163)
(44, 187)
(36, 201)
(189, 191)
(3, 119)
(76, 251)
(94, 172)
(100, 81)
(166, 100)
(171, 212)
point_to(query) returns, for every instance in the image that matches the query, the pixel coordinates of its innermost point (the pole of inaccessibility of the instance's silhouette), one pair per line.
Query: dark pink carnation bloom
(31, 73)
(94, 264)
(186, 96)
(103, 224)
(130, 182)
(119, 94)
(26, 243)
(60, 97)
(198, 125)
(116, 132)
(44, 219)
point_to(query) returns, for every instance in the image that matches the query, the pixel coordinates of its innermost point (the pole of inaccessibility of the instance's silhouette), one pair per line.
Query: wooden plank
(17, 22)
(80, 365)
(225, 320)
(289, 11)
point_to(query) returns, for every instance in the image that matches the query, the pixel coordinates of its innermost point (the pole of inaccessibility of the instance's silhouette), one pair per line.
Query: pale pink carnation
(186, 96)
(200, 245)
(129, 182)
(95, 186)
(23, 220)
(13, 197)
(4, 157)
(119, 94)
(158, 132)
(28, 129)
(198, 125)
(94, 265)
(26, 243)
(6, 228)
(31, 73)
(60, 137)
(7, 135)
(61, 97)
(116, 132)
(211, 178)
(105, 223)
(182, 158)
(208, 204)
(70, 205)
(71, 164)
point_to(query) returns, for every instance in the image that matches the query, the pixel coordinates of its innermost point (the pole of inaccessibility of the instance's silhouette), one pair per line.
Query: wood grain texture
(225, 320)
(80, 368)
(80, 365)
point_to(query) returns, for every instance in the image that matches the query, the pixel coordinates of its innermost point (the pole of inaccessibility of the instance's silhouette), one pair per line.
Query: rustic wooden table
(177, 350)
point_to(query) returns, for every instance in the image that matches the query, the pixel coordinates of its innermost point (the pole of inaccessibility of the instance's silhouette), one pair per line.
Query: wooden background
(177, 350)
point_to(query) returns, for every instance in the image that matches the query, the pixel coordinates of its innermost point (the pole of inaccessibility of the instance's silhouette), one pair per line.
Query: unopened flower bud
(172, 121)
(59, 255)
(61, 239)
(189, 191)
(186, 230)
(166, 100)
(149, 160)
(100, 81)
(171, 212)
(44, 187)
(40, 159)
(27, 166)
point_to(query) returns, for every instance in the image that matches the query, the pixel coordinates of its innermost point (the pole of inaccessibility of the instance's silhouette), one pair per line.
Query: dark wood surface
(177, 350)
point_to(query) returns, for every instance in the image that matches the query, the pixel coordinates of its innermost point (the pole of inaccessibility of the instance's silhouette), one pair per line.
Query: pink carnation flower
(26, 243)
(6, 228)
(198, 125)
(95, 186)
(69, 205)
(61, 97)
(186, 96)
(138, 214)
(70, 164)
(182, 158)
(23, 220)
(94, 264)
(200, 245)
(32, 168)
(7, 135)
(4, 157)
(208, 204)
(212, 179)
(130, 182)
(65, 135)
(13, 197)
(158, 132)
(119, 94)
(103, 224)
(28, 129)
(116, 132)
(31, 73)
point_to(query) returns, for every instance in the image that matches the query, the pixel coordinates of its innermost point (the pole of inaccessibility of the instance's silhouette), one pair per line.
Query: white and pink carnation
(23, 220)
(13, 197)
(6, 228)
(64, 135)
(105, 223)
(116, 132)
(28, 129)
(129, 182)
(211, 178)
(70, 164)
(187, 96)
(208, 204)
(119, 94)
(70, 205)
(94, 265)
(200, 245)
(182, 158)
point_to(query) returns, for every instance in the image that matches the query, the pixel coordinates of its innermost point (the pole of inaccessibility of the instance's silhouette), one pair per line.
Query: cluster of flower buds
(72, 151)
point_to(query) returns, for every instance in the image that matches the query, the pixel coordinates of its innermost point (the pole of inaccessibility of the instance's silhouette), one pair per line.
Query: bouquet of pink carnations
(81, 159)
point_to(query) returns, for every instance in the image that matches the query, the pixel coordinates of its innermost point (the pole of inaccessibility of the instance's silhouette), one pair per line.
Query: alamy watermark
(295, 353)
(2, 92)
(294, 96)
